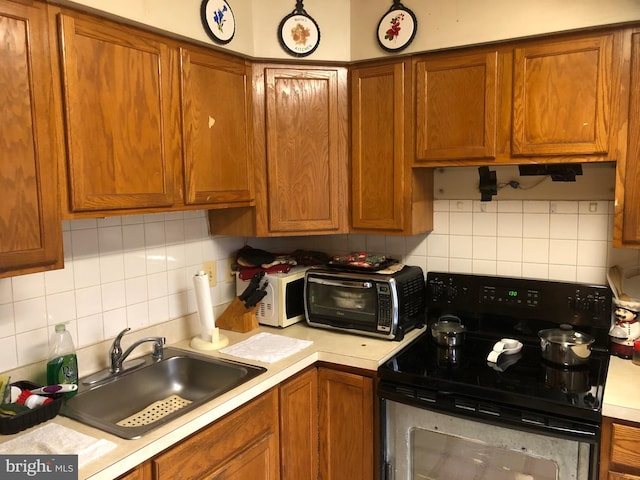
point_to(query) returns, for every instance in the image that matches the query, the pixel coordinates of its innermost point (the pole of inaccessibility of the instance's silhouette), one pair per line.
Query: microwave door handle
(341, 283)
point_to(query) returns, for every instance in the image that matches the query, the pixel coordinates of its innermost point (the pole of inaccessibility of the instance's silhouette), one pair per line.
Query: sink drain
(155, 412)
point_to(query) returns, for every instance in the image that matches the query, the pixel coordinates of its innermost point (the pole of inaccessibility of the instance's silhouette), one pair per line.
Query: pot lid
(448, 324)
(565, 334)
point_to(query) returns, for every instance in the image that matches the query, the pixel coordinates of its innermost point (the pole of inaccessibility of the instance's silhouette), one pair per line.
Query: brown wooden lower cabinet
(621, 476)
(620, 450)
(141, 472)
(346, 425)
(299, 426)
(317, 424)
(241, 446)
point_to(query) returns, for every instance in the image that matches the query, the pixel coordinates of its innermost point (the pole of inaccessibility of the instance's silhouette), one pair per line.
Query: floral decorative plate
(298, 33)
(218, 20)
(397, 28)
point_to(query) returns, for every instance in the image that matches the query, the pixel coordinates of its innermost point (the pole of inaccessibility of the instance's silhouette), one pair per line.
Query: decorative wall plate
(397, 28)
(298, 33)
(218, 20)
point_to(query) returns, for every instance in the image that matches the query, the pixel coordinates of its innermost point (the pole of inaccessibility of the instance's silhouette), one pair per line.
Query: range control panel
(523, 298)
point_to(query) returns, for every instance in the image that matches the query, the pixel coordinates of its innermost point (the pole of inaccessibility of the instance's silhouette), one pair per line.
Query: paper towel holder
(209, 337)
(217, 342)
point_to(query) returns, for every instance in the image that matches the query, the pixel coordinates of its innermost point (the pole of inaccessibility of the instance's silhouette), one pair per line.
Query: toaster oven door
(346, 303)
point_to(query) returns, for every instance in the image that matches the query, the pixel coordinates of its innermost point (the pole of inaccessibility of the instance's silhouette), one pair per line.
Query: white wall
(450, 23)
(256, 23)
(348, 28)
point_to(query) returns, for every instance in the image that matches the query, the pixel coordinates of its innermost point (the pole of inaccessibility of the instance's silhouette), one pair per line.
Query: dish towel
(266, 347)
(55, 439)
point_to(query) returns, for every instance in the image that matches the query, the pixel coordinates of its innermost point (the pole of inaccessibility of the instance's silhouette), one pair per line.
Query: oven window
(342, 305)
(438, 455)
(423, 444)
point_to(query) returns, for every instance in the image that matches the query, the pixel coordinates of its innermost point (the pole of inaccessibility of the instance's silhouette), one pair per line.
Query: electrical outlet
(230, 275)
(210, 269)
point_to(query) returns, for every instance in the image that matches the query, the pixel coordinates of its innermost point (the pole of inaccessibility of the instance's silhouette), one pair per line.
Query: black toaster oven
(367, 303)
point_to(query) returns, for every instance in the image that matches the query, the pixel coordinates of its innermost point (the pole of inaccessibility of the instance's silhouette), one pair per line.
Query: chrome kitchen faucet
(117, 356)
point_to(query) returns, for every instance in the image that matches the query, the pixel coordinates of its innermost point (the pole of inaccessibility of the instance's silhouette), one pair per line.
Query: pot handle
(544, 343)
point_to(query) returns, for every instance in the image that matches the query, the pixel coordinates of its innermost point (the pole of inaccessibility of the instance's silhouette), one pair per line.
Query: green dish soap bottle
(62, 366)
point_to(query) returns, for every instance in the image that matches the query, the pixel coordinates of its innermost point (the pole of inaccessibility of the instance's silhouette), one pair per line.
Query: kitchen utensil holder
(238, 318)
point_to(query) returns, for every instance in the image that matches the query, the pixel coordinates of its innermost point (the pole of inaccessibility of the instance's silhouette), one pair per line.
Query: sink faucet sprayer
(117, 356)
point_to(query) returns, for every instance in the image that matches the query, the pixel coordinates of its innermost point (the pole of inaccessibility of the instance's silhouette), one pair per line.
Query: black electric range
(520, 389)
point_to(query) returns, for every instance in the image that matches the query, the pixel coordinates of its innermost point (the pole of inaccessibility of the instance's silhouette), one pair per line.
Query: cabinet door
(299, 427)
(378, 146)
(346, 425)
(562, 97)
(619, 450)
(241, 446)
(141, 472)
(122, 115)
(629, 222)
(30, 229)
(456, 104)
(216, 115)
(621, 476)
(254, 463)
(306, 157)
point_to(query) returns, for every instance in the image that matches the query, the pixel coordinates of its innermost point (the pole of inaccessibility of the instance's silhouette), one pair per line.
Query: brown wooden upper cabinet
(217, 131)
(306, 140)
(626, 229)
(456, 106)
(121, 112)
(562, 96)
(30, 228)
(387, 195)
(553, 99)
(300, 121)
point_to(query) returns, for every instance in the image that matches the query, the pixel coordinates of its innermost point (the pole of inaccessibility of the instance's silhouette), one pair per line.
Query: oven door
(420, 443)
(343, 303)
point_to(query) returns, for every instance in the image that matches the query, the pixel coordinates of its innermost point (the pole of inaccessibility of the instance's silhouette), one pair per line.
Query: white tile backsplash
(509, 224)
(460, 223)
(136, 271)
(119, 272)
(564, 225)
(61, 307)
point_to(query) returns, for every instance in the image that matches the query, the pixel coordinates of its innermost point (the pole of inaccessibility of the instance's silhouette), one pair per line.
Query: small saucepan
(448, 331)
(565, 346)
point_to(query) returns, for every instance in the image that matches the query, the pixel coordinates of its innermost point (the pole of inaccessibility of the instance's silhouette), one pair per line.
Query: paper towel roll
(205, 307)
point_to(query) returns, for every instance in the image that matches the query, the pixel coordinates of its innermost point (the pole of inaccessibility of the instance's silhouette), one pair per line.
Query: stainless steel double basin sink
(137, 401)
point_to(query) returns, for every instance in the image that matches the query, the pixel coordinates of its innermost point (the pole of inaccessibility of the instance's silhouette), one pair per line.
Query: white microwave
(284, 303)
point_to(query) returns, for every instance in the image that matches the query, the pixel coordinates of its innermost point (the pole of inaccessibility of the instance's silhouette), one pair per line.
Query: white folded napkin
(266, 347)
(55, 439)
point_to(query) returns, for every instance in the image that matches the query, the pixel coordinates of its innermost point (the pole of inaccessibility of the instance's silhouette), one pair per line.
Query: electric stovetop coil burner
(521, 388)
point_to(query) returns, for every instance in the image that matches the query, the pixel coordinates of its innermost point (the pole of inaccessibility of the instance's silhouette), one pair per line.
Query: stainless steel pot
(565, 346)
(448, 331)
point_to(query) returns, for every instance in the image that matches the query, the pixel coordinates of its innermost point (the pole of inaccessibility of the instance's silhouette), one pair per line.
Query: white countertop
(622, 391)
(334, 347)
(621, 397)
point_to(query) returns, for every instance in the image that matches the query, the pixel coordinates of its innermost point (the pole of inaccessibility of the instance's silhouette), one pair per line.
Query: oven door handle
(341, 283)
